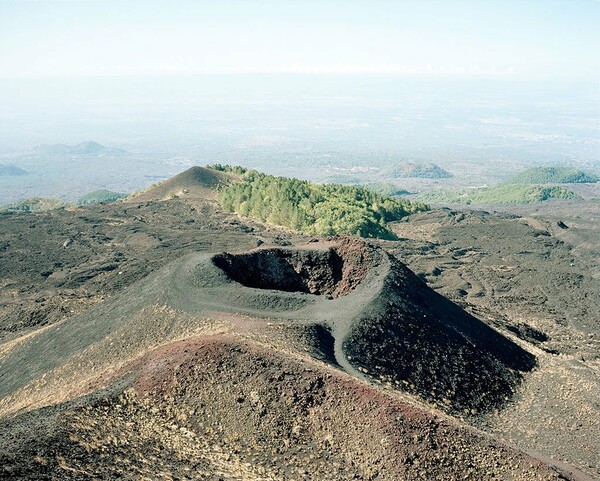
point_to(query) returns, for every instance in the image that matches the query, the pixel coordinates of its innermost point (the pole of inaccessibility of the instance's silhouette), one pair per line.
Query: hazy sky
(521, 39)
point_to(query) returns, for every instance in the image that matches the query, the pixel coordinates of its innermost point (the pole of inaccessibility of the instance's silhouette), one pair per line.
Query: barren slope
(537, 281)
(143, 353)
(195, 182)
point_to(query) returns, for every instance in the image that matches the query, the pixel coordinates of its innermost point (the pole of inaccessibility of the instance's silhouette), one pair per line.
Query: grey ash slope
(418, 339)
(195, 182)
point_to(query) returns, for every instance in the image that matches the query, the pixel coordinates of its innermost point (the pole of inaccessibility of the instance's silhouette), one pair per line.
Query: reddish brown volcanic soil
(216, 406)
(154, 340)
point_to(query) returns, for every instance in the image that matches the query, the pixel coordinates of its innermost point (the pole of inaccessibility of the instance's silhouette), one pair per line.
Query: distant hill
(553, 175)
(422, 170)
(89, 147)
(194, 182)
(53, 149)
(385, 188)
(10, 170)
(84, 148)
(35, 204)
(100, 196)
(500, 194)
(382, 187)
(341, 179)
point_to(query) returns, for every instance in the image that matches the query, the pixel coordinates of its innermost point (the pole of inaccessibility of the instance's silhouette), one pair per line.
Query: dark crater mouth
(331, 272)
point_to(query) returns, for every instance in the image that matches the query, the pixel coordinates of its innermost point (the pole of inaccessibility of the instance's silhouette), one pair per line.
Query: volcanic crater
(386, 323)
(332, 272)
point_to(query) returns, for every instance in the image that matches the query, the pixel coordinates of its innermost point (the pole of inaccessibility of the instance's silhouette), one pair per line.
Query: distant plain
(315, 127)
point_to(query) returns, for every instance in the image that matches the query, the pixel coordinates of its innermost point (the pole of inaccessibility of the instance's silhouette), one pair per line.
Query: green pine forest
(498, 194)
(319, 209)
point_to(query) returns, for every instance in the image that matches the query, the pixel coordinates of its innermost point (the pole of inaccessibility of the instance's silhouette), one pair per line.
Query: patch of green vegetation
(232, 169)
(500, 194)
(99, 196)
(342, 179)
(386, 188)
(35, 204)
(320, 209)
(422, 170)
(553, 175)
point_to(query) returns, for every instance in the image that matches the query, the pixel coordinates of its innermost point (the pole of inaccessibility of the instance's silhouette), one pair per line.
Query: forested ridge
(320, 209)
(498, 194)
(553, 175)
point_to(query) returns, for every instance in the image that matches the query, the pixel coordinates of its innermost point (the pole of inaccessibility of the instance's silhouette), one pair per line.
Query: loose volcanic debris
(137, 353)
